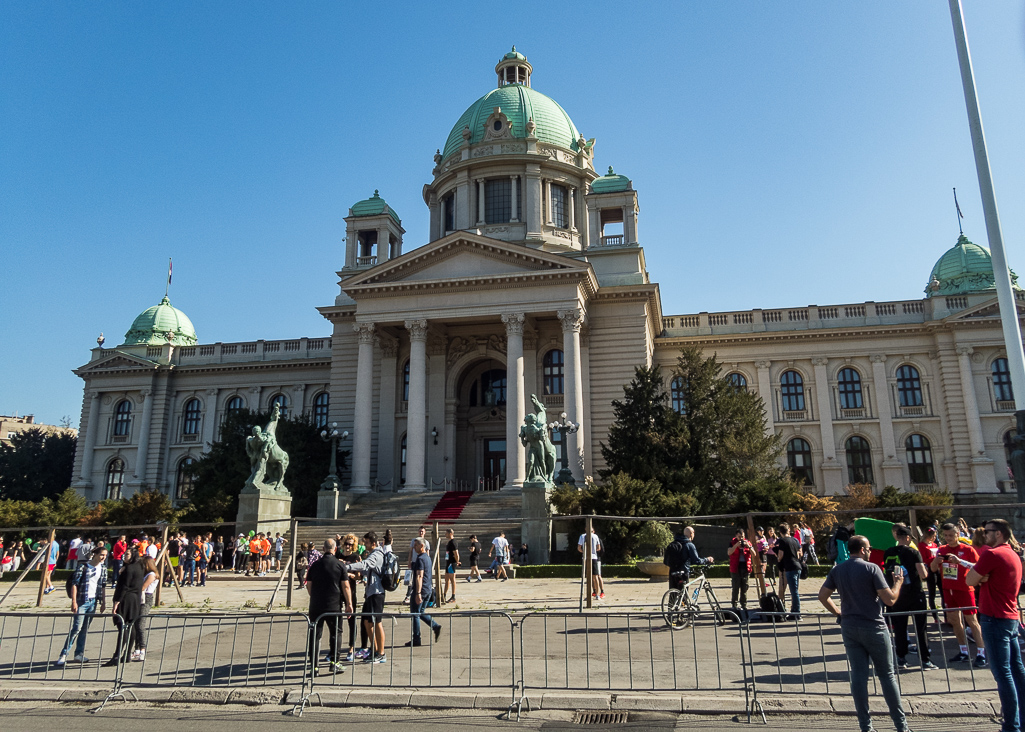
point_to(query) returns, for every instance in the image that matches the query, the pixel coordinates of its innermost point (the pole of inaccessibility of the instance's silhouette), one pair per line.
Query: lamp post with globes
(565, 427)
(331, 434)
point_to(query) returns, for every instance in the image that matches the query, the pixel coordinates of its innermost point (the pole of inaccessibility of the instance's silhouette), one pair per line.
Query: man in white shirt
(73, 553)
(87, 594)
(597, 586)
(500, 548)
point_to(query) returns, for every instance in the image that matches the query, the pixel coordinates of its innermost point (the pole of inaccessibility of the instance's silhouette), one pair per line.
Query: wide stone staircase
(486, 513)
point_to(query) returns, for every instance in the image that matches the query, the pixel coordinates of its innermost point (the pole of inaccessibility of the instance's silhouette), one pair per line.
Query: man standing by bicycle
(679, 557)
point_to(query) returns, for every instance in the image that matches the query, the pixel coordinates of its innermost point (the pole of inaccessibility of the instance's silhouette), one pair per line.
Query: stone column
(573, 209)
(480, 202)
(386, 415)
(893, 469)
(363, 409)
(436, 218)
(571, 321)
(516, 403)
(141, 458)
(765, 392)
(832, 472)
(548, 201)
(383, 247)
(450, 439)
(462, 202)
(532, 202)
(416, 415)
(982, 466)
(210, 419)
(513, 218)
(92, 425)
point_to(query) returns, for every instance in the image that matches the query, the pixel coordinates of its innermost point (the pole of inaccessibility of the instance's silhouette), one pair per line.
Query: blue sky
(784, 153)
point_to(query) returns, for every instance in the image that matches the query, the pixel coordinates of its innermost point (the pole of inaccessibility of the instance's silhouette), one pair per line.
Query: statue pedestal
(263, 511)
(331, 504)
(536, 524)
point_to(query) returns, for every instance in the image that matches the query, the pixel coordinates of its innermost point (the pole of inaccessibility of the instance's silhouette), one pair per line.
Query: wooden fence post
(294, 541)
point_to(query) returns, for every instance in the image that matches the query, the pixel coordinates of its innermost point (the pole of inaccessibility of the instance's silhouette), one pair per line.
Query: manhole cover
(602, 718)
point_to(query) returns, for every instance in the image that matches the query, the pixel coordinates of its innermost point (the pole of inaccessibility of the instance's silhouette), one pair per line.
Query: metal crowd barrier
(30, 644)
(623, 651)
(476, 649)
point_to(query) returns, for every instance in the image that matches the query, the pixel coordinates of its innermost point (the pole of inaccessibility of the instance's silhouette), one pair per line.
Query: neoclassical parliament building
(532, 280)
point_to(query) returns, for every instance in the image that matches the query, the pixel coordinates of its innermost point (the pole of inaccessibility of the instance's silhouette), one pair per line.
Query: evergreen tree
(220, 475)
(36, 465)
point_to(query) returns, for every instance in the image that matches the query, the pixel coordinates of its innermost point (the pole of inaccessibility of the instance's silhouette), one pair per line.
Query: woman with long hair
(128, 602)
(150, 581)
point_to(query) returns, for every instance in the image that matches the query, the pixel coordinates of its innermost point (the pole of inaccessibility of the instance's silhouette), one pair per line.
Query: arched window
(115, 479)
(859, 461)
(677, 394)
(192, 413)
(492, 388)
(909, 386)
(235, 404)
(792, 391)
(552, 368)
(737, 380)
(402, 461)
(1002, 381)
(849, 383)
(919, 455)
(321, 404)
(405, 382)
(799, 461)
(282, 401)
(183, 479)
(123, 418)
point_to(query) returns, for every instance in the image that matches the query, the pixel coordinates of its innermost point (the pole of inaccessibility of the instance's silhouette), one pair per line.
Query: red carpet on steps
(450, 506)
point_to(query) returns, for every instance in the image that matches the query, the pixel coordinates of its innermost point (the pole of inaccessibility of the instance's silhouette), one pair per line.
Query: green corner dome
(161, 324)
(514, 54)
(964, 268)
(611, 182)
(373, 206)
(519, 103)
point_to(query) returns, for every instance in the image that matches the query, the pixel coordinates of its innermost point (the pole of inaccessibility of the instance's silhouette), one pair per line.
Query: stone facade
(532, 280)
(10, 426)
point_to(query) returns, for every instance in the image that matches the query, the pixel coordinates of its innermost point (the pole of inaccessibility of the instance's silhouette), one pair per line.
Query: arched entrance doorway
(480, 421)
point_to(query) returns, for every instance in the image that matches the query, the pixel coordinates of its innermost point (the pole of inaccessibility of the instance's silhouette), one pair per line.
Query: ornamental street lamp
(565, 427)
(332, 435)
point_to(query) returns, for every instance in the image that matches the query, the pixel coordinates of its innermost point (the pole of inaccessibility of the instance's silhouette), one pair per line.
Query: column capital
(965, 350)
(570, 319)
(877, 358)
(94, 394)
(819, 361)
(762, 364)
(417, 330)
(513, 323)
(365, 331)
(145, 393)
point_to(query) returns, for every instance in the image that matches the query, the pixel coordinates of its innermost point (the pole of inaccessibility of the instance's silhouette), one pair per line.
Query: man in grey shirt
(863, 590)
(373, 602)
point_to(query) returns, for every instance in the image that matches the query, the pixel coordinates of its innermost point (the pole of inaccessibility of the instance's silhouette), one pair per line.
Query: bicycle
(680, 604)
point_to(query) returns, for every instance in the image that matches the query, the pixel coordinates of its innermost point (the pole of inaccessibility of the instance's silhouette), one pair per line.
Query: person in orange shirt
(254, 555)
(264, 555)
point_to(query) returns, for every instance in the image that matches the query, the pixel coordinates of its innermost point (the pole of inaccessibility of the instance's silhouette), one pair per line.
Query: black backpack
(391, 575)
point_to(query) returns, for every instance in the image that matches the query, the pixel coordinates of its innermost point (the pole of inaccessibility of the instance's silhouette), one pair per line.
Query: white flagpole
(1001, 275)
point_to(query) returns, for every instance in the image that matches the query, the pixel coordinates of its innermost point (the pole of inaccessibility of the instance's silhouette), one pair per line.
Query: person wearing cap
(238, 560)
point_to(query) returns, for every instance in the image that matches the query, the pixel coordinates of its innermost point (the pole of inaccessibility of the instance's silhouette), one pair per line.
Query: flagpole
(167, 287)
(1001, 274)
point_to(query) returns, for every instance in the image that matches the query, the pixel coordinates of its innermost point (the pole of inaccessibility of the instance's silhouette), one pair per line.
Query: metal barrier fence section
(31, 644)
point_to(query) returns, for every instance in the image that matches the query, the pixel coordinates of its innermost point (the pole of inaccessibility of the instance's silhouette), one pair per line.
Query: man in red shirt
(950, 563)
(117, 555)
(997, 574)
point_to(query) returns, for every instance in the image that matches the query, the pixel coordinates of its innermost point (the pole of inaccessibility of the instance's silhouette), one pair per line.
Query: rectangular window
(498, 200)
(560, 203)
(448, 212)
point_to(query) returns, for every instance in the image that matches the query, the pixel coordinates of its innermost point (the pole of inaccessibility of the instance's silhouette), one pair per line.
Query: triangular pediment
(988, 309)
(463, 256)
(117, 361)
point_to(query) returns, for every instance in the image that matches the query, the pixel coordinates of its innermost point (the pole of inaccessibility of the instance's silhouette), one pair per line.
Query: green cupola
(963, 269)
(611, 182)
(159, 325)
(373, 206)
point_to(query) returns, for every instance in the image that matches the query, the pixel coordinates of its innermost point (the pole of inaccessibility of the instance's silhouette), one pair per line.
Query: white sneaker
(62, 660)
(79, 658)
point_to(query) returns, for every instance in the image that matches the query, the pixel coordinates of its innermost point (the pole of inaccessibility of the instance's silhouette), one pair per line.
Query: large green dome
(964, 268)
(161, 324)
(519, 103)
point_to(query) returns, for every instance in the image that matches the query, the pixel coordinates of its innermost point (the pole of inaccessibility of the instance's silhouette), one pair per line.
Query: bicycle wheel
(671, 602)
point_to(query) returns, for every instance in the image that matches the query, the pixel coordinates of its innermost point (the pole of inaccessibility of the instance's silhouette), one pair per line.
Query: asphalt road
(45, 718)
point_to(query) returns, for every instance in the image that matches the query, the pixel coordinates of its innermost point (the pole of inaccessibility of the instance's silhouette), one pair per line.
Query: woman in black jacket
(128, 603)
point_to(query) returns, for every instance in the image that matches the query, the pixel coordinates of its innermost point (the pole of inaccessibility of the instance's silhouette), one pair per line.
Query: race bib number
(950, 571)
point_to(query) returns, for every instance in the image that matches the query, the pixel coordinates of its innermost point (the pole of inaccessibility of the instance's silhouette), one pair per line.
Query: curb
(491, 700)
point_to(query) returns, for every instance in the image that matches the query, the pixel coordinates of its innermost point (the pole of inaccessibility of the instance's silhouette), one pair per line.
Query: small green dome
(963, 269)
(373, 206)
(514, 54)
(161, 324)
(519, 103)
(611, 182)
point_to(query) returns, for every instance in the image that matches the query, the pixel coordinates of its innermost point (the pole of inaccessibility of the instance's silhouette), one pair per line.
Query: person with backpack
(86, 588)
(374, 567)
(421, 595)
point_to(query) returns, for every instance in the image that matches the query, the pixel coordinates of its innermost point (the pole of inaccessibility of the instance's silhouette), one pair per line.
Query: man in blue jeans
(997, 574)
(87, 593)
(863, 590)
(788, 557)
(421, 587)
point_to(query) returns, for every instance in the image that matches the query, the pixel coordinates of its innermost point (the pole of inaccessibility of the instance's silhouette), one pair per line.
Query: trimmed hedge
(630, 571)
(33, 576)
